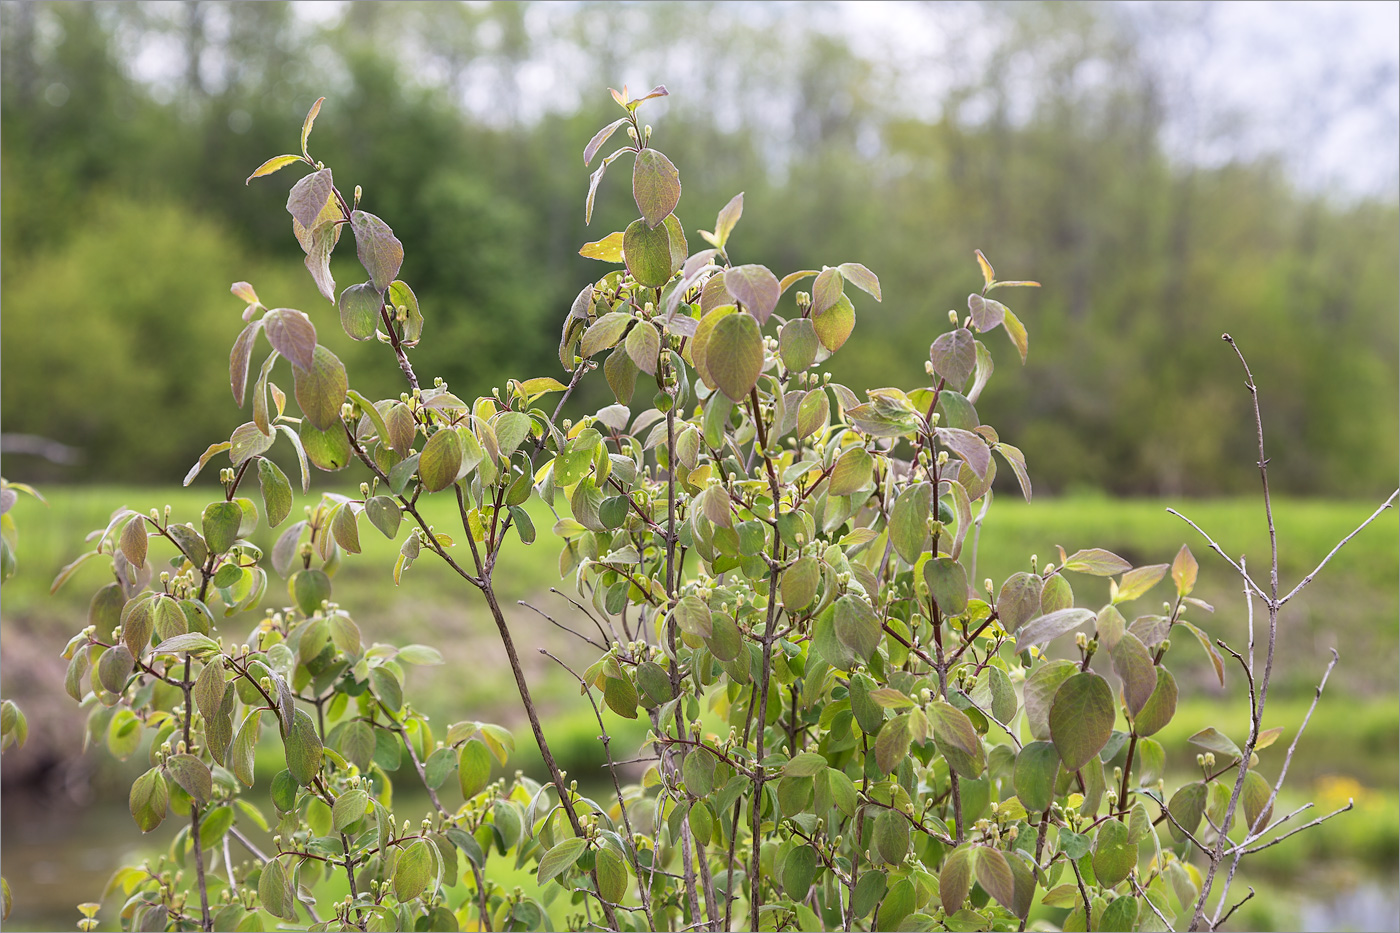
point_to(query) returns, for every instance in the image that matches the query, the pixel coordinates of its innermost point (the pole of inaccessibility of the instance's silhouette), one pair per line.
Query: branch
(1308, 579)
(1293, 832)
(1143, 894)
(1217, 549)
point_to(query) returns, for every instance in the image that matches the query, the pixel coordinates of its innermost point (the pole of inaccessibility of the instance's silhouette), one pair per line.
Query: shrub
(758, 547)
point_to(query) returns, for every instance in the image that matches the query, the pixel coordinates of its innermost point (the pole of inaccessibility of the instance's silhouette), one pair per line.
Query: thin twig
(560, 625)
(1217, 549)
(1293, 832)
(1237, 906)
(1143, 894)
(1308, 579)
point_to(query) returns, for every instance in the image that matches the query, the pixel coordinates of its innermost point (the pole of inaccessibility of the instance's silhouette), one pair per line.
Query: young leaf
(379, 250)
(272, 165)
(320, 389)
(647, 252)
(861, 277)
(291, 334)
(1081, 718)
(954, 356)
(308, 123)
(238, 359)
(835, 324)
(1133, 665)
(149, 800)
(1184, 571)
(755, 287)
(560, 859)
(656, 186)
(360, 310)
(309, 197)
(734, 355)
(599, 138)
(608, 249)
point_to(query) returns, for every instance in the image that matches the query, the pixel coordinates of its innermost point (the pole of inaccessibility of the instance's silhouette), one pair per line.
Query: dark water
(58, 855)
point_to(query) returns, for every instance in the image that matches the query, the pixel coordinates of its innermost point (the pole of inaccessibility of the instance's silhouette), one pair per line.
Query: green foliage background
(124, 220)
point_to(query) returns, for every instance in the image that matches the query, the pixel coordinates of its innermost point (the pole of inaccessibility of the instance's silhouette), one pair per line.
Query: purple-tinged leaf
(826, 291)
(291, 334)
(862, 278)
(322, 242)
(954, 356)
(1042, 630)
(308, 197)
(1017, 461)
(986, 312)
(320, 389)
(1081, 718)
(379, 250)
(656, 186)
(756, 288)
(1133, 665)
(1137, 582)
(238, 360)
(248, 441)
(1096, 562)
(599, 138)
(967, 445)
(204, 458)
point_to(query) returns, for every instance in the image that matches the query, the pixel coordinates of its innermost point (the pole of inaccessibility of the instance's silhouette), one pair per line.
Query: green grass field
(1350, 748)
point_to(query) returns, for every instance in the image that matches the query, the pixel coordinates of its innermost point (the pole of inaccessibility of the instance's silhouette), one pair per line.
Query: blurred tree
(1051, 130)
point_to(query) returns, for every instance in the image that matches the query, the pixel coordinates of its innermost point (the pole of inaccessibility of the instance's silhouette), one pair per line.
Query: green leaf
(955, 880)
(387, 688)
(798, 344)
(857, 627)
(441, 460)
(644, 346)
(1256, 799)
(1097, 562)
(350, 807)
(725, 641)
(805, 764)
(221, 521)
(813, 412)
(291, 334)
(1187, 806)
(852, 472)
(360, 310)
(891, 839)
(1037, 767)
(909, 524)
(621, 697)
(1004, 699)
(869, 890)
(240, 753)
(1120, 915)
(861, 278)
(309, 589)
(345, 527)
(379, 250)
(357, 744)
(473, 768)
(1114, 856)
(191, 774)
(647, 252)
(1216, 661)
(994, 874)
(1133, 664)
(612, 874)
(892, 744)
(656, 186)
(320, 389)
(1160, 706)
(384, 513)
(799, 583)
(1019, 600)
(956, 738)
(693, 616)
(149, 799)
(947, 583)
(276, 492)
(734, 355)
(755, 287)
(1213, 740)
(698, 770)
(799, 870)
(559, 859)
(1081, 718)
(303, 748)
(413, 871)
(835, 324)
(275, 892)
